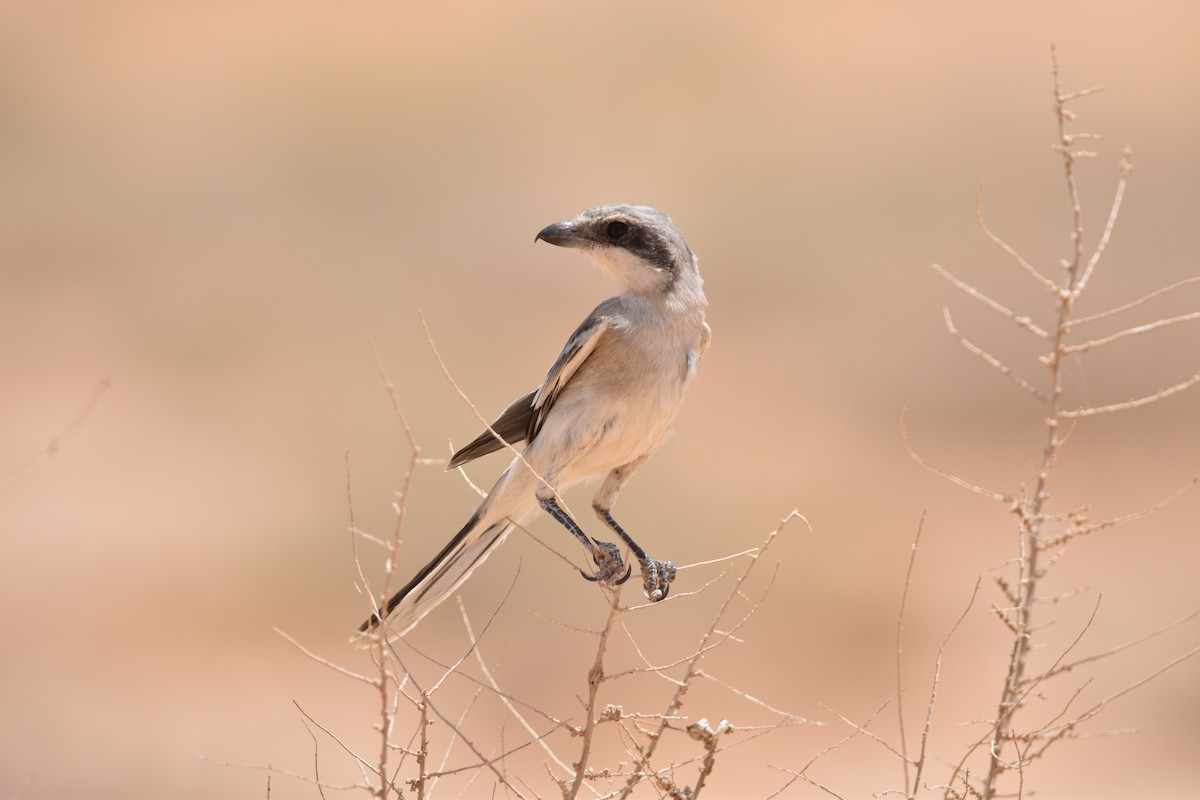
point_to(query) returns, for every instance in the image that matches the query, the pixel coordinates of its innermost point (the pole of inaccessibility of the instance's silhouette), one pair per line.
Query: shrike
(607, 403)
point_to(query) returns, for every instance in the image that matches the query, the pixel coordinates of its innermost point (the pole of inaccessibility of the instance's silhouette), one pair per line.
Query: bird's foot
(608, 565)
(656, 578)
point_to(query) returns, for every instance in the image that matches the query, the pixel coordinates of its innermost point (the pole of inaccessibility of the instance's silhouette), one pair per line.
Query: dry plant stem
(710, 755)
(1070, 665)
(280, 771)
(1023, 322)
(912, 559)
(1141, 401)
(386, 708)
(801, 773)
(1126, 167)
(655, 734)
(1079, 528)
(1030, 511)
(594, 679)
(989, 359)
(1028, 687)
(786, 715)
(937, 677)
(1046, 283)
(1100, 705)
(970, 487)
(362, 762)
(385, 729)
(801, 776)
(390, 387)
(423, 752)
(326, 662)
(316, 763)
(426, 701)
(1008, 749)
(1135, 331)
(504, 698)
(879, 740)
(1129, 306)
(433, 777)
(401, 507)
(557, 723)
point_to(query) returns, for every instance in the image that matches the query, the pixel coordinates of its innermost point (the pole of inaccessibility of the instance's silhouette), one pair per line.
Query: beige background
(213, 205)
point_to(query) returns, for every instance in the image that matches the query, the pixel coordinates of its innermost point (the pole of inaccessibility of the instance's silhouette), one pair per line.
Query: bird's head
(638, 245)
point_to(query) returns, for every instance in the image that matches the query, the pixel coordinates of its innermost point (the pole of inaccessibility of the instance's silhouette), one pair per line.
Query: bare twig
(1135, 331)
(316, 761)
(277, 771)
(1075, 323)
(504, 696)
(390, 387)
(1021, 322)
(1125, 167)
(912, 560)
(989, 359)
(870, 735)
(484, 761)
(1008, 747)
(326, 662)
(594, 679)
(801, 777)
(1129, 404)
(433, 777)
(1099, 705)
(393, 547)
(474, 640)
(802, 772)
(1027, 686)
(655, 735)
(348, 750)
(1046, 283)
(787, 715)
(1070, 665)
(1080, 527)
(937, 675)
(1001, 498)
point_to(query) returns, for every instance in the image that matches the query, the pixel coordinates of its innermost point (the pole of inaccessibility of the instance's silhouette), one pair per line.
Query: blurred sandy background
(212, 205)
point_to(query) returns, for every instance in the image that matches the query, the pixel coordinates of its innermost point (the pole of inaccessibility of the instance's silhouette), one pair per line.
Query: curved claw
(608, 565)
(617, 582)
(656, 578)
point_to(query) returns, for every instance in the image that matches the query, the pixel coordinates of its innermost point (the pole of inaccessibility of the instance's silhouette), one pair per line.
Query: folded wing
(525, 416)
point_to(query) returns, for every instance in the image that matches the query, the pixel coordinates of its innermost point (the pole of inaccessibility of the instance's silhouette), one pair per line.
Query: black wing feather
(512, 426)
(523, 419)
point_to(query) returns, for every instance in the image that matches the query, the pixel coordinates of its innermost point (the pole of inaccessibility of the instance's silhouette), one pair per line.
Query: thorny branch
(1029, 504)
(912, 560)
(691, 672)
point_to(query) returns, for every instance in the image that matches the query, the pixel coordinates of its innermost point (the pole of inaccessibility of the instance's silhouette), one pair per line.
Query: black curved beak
(562, 234)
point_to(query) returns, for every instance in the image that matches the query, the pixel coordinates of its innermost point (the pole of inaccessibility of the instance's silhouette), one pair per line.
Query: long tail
(447, 571)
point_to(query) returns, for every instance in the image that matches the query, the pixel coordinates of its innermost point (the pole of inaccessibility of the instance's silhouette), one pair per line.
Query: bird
(606, 404)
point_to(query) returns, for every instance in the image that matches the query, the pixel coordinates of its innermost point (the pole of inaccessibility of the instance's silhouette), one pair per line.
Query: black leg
(656, 575)
(606, 556)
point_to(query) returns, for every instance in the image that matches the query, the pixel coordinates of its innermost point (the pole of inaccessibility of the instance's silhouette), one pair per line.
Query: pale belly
(631, 425)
